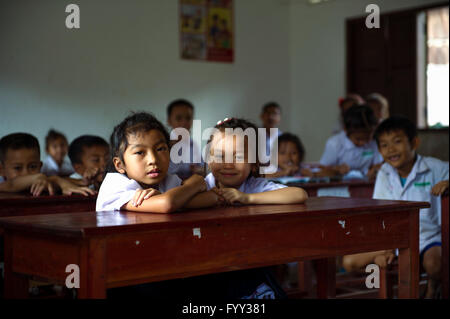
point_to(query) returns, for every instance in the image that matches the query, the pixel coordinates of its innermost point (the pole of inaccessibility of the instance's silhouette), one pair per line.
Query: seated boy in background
(354, 148)
(180, 113)
(56, 162)
(405, 175)
(271, 118)
(89, 156)
(20, 166)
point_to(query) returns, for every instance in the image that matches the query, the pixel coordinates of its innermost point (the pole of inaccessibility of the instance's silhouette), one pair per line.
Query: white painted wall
(126, 57)
(317, 52)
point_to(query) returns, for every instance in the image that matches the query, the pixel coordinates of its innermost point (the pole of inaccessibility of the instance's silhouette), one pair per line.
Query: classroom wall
(125, 57)
(317, 52)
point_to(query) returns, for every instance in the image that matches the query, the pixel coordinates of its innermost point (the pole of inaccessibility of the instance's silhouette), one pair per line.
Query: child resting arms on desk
(138, 179)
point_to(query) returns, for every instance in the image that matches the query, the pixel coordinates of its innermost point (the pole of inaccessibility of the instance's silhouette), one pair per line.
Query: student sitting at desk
(405, 175)
(290, 156)
(353, 148)
(56, 162)
(89, 155)
(138, 179)
(20, 166)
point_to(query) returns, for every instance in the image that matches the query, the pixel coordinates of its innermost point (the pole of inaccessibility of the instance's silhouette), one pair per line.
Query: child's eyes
(161, 149)
(139, 153)
(18, 168)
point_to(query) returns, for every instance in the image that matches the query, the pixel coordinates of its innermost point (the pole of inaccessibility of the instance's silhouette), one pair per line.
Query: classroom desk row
(325, 269)
(114, 249)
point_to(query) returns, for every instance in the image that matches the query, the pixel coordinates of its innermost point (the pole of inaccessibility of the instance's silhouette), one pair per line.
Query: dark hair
(17, 141)
(53, 135)
(76, 148)
(234, 123)
(394, 123)
(178, 102)
(134, 123)
(270, 104)
(288, 137)
(359, 117)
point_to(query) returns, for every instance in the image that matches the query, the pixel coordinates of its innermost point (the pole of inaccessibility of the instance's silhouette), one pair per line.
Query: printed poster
(206, 30)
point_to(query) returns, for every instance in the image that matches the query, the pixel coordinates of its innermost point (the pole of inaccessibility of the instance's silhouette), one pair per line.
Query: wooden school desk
(356, 188)
(115, 249)
(19, 204)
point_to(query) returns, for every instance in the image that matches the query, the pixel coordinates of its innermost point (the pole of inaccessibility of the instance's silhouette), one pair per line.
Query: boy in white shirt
(406, 175)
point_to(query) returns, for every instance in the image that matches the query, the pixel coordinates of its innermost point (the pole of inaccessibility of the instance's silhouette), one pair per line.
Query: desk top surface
(18, 198)
(91, 223)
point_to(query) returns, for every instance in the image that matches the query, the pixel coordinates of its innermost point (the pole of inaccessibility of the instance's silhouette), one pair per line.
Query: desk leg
(305, 277)
(16, 285)
(93, 270)
(326, 278)
(408, 262)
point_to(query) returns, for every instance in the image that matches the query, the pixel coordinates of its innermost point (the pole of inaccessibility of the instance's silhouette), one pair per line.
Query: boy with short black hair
(20, 166)
(406, 175)
(271, 118)
(89, 155)
(180, 114)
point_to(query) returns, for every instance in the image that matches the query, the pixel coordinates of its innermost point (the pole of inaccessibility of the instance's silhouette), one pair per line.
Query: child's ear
(40, 165)
(2, 170)
(78, 168)
(119, 165)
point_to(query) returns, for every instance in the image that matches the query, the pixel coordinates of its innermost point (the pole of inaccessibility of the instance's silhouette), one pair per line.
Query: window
(433, 68)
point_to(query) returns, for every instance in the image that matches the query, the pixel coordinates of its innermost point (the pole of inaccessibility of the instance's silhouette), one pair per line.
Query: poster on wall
(206, 30)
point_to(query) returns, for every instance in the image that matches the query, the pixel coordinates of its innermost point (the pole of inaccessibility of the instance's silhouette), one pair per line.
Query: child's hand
(232, 195)
(385, 259)
(197, 169)
(343, 169)
(197, 182)
(41, 183)
(69, 190)
(91, 176)
(143, 194)
(372, 173)
(221, 201)
(439, 188)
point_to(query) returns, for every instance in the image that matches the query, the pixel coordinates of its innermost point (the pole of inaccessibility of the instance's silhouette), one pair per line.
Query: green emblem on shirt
(422, 184)
(367, 153)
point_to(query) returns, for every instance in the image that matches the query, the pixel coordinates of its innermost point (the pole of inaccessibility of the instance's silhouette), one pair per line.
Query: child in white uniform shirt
(239, 181)
(406, 175)
(56, 162)
(139, 179)
(353, 148)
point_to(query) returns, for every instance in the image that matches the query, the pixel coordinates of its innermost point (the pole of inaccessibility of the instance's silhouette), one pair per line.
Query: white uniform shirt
(426, 172)
(50, 168)
(250, 186)
(339, 150)
(117, 190)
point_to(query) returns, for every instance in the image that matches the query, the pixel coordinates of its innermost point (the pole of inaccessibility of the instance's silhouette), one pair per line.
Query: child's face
(181, 116)
(397, 150)
(57, 149)
(360, 137)
(229, 174)
(146, 159)
(94, 157)
(288, 154)
(271, 117)
(21, 162)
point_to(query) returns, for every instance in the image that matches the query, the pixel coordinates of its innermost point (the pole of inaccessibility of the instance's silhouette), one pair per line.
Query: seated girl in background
(138, 178)
(290, 156)
(56, 162)
(354, 148)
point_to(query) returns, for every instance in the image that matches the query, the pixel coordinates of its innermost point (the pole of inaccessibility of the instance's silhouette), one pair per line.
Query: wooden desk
(116, 249)
(19, 204)
(357, 188)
